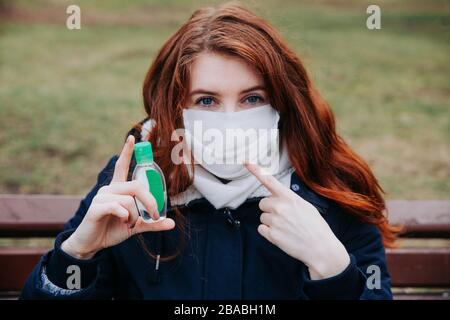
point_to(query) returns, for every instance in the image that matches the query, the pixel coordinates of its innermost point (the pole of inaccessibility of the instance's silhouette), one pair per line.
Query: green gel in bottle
(151, 175)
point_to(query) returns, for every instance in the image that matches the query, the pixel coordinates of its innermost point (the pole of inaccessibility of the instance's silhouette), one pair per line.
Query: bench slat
(16, 264)
(35, 215)
(45, 215)
(30, 215)
(424, 267)
(421, 217)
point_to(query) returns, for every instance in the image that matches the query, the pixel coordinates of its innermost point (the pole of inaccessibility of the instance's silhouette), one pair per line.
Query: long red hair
(321, 158)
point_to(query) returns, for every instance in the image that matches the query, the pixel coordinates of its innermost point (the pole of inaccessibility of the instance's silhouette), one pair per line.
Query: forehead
(219, 72)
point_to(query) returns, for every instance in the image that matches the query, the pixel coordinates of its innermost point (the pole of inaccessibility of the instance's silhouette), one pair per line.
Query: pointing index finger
(123, 163)
(269, 181)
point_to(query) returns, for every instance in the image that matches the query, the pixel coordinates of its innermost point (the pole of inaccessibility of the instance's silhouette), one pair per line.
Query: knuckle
(263, 204)
(130, 187)
(103, 189)
(97, 197)
(273, 235)
(114, 206)
(278, 208)
(265, 179)
(136, 185)
(283, 207)
(129, 201)
(93, 209)
(262, 201)
(261, 230)
(301, 203)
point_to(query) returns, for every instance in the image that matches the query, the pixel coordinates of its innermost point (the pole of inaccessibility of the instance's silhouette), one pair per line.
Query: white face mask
(220, 142)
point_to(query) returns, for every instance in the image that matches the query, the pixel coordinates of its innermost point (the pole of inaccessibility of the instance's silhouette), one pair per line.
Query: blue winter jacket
(224, 258)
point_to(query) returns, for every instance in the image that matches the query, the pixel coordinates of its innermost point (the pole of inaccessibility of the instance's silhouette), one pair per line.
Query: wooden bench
(418, 272)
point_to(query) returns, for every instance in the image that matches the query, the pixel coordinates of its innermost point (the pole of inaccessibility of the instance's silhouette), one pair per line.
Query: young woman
(313, 230)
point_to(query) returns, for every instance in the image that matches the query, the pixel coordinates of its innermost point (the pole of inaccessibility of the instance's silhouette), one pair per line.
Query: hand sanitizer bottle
(151, 175)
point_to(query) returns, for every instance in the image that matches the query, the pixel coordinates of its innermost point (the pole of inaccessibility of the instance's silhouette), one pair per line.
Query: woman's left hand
(296, 227)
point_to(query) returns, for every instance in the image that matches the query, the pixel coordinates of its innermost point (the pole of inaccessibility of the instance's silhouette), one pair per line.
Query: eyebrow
(198, 91)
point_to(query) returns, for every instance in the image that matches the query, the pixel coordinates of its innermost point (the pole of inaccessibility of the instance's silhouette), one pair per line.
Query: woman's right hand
(112, 216)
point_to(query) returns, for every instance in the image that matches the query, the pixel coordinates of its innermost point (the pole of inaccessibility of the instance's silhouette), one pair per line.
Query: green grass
(67, 98)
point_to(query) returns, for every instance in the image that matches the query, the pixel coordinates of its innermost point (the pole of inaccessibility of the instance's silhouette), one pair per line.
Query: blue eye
(205, 101)
(253, 99)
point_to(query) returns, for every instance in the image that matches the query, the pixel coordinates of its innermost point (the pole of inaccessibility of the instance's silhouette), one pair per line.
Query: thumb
(142, 226)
